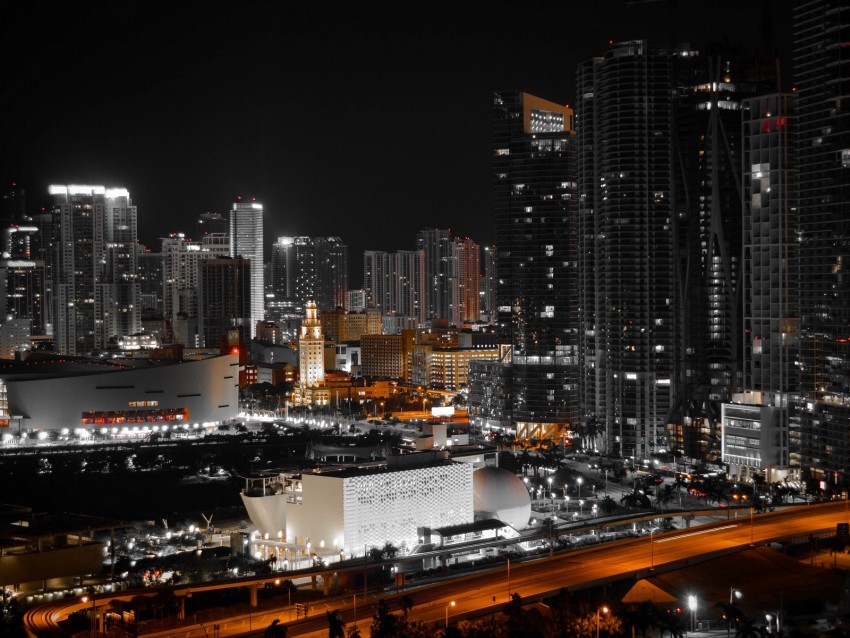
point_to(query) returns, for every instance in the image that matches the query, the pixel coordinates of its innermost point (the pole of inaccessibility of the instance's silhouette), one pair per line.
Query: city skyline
(336, 117)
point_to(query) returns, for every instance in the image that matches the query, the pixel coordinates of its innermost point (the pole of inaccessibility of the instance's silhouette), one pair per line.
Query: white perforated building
(351, 510)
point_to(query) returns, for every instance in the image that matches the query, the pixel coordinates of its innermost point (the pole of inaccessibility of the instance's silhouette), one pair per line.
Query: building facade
(311, 349)
(246, 241)
(626, 253)
(95, 289)
(535, 214)
(224, 300)
(821, 74)
(436, 297)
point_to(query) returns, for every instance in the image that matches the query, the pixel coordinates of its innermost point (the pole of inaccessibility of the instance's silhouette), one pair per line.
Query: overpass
(477, 593)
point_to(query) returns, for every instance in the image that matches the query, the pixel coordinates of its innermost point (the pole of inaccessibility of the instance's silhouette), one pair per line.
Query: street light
(451, 604)
(733, 594)
(770, 616)
(692, 605)
(549, 480)
(581, 508)
(604, 610)
(84, 600)
(651, 549)
(579, 481)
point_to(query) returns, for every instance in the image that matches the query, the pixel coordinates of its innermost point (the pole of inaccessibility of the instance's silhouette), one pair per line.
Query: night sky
(364, 120)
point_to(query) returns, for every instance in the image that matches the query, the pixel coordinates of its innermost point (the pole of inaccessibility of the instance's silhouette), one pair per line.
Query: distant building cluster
(670, 257)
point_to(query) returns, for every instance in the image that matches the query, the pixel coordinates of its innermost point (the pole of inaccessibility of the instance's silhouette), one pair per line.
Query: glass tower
(535, 209)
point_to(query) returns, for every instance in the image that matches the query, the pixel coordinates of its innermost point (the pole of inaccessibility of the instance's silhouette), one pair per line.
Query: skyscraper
(821, 76)
(311, 269)
(435, 244)
(224, 296)
(628, 297)
(395, 282)
(96, 293)
(246, 240)
(535, 214)
(464, 281)
(706, 160)
(770, 264)
(208, 223)
(757, 437)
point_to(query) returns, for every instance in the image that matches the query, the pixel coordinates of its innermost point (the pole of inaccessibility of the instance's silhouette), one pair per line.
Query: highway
(487, 591)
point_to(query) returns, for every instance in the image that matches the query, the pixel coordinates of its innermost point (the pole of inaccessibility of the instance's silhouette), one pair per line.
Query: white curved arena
(499, 494)
(92, 395)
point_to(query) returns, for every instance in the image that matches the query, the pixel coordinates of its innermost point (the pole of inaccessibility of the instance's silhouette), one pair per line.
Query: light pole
(770, 616)
(579, 481)
(604, 610)
(567, 505)
(733, 594)
(692, 605)
(581, 508)
(509, 579)
(549, 480)
(651, 549)
(84, 600)
(450, 604)
(751, 526)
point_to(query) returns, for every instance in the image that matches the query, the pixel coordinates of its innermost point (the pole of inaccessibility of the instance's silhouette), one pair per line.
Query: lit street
(474, 595)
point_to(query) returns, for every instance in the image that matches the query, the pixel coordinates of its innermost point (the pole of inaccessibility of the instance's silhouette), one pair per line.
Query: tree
(389, 551)
(664, 494)
(635, 500)
(384, 623)
(607, 505)
(336, 627)
(275, 630)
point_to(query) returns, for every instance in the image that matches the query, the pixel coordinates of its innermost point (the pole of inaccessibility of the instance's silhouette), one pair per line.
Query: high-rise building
(821, 76)
(488, 285)
(311, 269)
(96, 292)
(436, 297)
(209, 223)
(12, 205)
(395, 282)
(356, 300)
(224, 296)
(535, 214)
(465, 282)
(118, 282)
(770, 259)
(757, 437)
(706, 160)
(628, 293)
(246, 241)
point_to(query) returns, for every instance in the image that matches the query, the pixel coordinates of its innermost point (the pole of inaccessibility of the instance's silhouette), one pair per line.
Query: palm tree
(635, 500)
(664, 494)
(607, 505)
(336, 627)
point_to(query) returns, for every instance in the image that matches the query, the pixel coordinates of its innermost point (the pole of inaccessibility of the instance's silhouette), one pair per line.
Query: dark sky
(365, 120)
